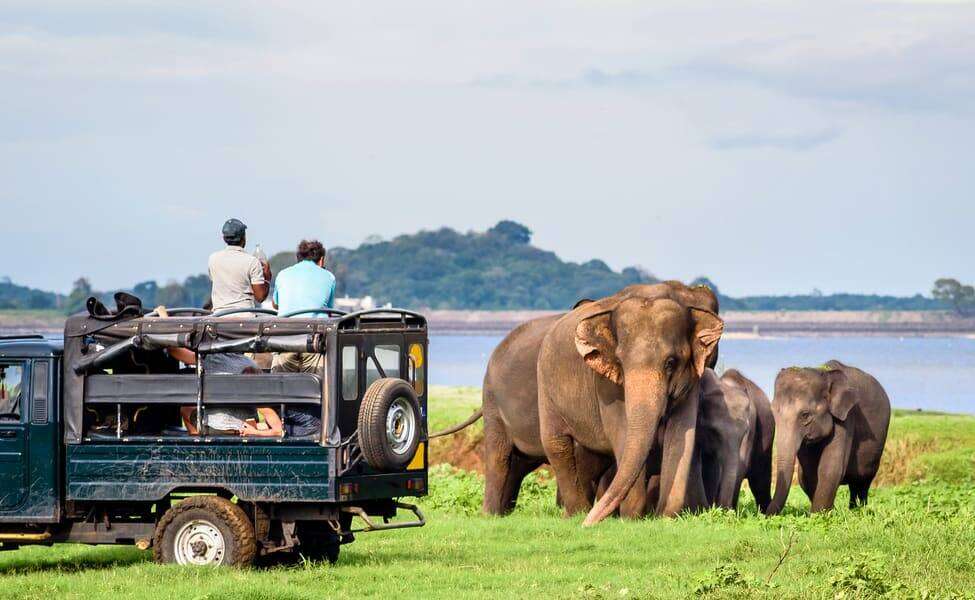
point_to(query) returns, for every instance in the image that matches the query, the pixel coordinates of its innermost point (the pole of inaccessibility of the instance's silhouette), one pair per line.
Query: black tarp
(260, 390)
(85, 337)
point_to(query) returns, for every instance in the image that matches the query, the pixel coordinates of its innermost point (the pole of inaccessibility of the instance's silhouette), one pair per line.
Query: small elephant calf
(735, 432)
(834, 420)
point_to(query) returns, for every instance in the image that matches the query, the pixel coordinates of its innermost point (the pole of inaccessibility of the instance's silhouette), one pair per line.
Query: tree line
(495, 269)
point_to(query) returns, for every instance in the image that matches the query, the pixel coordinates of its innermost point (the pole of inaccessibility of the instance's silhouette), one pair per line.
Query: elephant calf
(834, 419)
(736, 428)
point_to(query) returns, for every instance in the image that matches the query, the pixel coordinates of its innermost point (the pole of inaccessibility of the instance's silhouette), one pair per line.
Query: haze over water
(930, 373)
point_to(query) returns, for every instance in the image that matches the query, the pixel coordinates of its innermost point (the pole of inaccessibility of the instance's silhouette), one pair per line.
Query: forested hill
(493, 270)
(496, 269)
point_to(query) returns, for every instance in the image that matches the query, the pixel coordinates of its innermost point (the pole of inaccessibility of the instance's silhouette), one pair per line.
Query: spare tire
(389, 424)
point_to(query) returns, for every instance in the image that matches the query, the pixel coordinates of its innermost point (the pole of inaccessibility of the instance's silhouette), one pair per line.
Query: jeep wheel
(389, 424)
(205, 530)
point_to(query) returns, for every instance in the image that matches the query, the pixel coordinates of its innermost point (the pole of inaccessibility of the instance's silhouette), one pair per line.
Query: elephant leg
(808, 473)
(711, 475)
(560, 450)
(832, 468)
(634, 505)
(697, 499)
(591, 467)
(504, 468)
(678, 456)
(858, 492)
(760, 479)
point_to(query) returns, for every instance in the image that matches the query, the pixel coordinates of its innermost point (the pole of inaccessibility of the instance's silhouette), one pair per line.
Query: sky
(775, 146)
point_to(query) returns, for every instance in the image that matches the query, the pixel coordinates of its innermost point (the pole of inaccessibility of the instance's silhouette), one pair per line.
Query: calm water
(928, 373)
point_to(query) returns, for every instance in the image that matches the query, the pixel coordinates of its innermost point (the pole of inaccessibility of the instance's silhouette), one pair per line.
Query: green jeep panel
(253, 471)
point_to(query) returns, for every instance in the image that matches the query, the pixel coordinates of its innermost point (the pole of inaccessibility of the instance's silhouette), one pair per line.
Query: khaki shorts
(297, 362)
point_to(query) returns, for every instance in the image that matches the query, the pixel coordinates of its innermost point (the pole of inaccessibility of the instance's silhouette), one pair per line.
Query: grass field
(916, 539)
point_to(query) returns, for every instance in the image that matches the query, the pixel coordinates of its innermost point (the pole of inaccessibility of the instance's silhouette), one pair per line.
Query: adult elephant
(512, 439)
(609, 373)
(834, 419)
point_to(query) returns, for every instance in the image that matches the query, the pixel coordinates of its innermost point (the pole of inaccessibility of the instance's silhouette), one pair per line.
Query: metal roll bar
(186, 310)
(357, 316)
(94, 360)
(234, 311)
(329, 311)
(371, 525)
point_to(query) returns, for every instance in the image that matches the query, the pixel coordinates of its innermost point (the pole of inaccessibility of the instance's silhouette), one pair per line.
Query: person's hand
(161, 311)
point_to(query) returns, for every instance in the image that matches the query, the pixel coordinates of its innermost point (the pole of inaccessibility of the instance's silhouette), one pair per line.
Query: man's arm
(260, 280)
(330, 303)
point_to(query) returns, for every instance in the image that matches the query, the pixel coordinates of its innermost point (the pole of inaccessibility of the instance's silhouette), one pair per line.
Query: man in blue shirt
(306, 285)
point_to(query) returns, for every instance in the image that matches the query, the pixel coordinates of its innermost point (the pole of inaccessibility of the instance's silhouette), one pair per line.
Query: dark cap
(233, 229)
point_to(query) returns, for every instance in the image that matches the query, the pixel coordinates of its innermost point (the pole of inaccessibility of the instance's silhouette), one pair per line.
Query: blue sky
(774, 146)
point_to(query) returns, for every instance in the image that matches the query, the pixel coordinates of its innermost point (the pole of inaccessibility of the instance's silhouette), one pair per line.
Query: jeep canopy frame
(90, 343)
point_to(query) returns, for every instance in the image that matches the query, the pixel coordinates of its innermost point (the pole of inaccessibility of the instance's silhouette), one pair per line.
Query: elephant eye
(669, 365)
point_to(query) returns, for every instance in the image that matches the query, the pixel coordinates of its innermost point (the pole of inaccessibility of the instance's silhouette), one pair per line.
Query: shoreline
(738, 324)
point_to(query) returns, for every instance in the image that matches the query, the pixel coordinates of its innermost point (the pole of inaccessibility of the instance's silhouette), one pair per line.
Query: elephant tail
(455, 428)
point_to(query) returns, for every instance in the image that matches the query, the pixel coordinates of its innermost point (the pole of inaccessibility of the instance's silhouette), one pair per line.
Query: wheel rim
(200, 542)
(400, 426)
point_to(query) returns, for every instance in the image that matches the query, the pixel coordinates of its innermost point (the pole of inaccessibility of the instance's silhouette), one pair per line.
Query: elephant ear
(840, 395)
(708, 328)
(596, 343)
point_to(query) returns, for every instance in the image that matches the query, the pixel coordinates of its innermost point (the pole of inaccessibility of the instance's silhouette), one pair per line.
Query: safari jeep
(93, 448)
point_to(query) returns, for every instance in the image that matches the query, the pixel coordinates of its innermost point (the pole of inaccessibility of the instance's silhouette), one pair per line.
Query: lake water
(932, 373)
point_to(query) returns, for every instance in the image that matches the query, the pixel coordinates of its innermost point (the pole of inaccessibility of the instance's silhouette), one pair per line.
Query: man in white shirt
(239, 279)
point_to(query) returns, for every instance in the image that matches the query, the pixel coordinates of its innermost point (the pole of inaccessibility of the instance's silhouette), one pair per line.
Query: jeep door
(14, 376)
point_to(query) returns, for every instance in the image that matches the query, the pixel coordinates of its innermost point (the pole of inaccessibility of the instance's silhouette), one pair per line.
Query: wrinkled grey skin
(513, 445)
(734, 441)
(834, 420)
(759, 471)
(726, 434)
(736, 431)
(610, 374)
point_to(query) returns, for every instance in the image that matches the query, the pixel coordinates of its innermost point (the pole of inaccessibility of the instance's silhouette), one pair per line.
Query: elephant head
(656, 350)
(806, 405)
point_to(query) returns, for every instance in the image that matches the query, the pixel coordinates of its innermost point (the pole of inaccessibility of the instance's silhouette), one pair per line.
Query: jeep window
(11, 380)
(350, 373)
(383, 363)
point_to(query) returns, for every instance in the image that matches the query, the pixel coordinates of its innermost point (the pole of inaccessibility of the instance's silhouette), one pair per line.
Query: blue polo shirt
(304, 286)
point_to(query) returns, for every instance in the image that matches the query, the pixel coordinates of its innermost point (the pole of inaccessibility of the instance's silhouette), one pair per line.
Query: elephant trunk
(646, 401)
(786, 448)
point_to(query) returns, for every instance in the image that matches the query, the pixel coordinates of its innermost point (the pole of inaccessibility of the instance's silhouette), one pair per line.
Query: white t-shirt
(233, 271)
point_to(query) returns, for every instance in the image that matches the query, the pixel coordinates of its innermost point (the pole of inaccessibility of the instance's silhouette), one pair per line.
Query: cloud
(799, 142)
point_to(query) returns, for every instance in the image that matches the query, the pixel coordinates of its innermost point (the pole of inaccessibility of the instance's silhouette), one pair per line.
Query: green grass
(914, 540)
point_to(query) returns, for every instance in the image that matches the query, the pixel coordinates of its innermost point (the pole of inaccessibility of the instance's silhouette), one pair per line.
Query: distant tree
(960, 297)
(516, 233)
(171, 295)
(196, 289)
(706, 283)
(373, 239)
(597, 265)
(633, 275)
(80, 292)
(146, 291)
